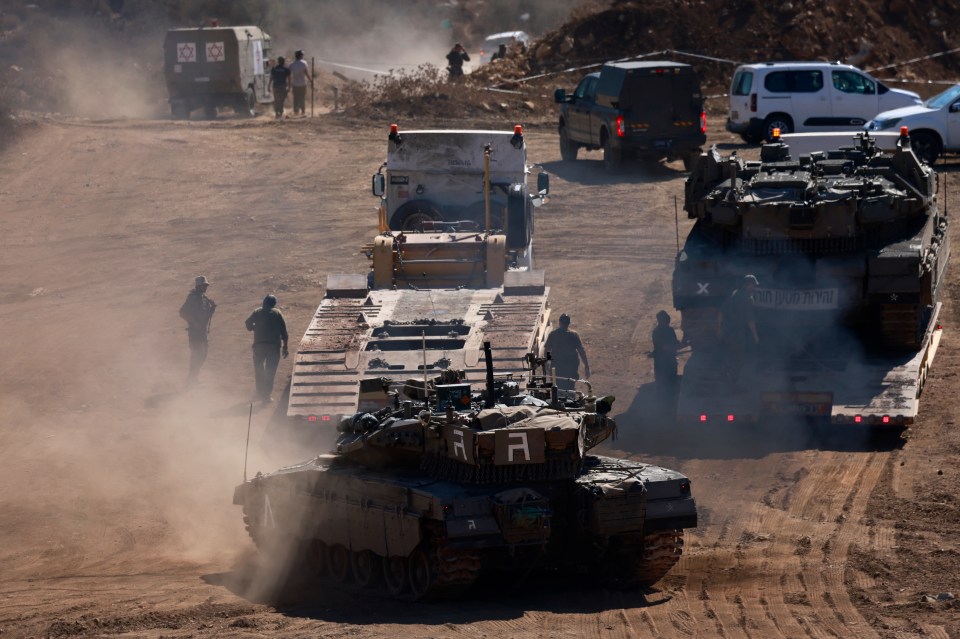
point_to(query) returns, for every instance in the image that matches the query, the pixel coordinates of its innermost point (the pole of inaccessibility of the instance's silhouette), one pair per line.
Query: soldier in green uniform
(566, 352)
(197, 311)
(269, 333)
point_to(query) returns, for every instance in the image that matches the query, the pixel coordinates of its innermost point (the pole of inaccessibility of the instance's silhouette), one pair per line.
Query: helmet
(564, 319)
(751, 279)
(663, 316)
(269, 301)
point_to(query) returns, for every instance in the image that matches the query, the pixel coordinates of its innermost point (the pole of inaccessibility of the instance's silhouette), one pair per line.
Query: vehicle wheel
(926, 146)
(776, 121)
(568, 149)
(338, 562)
(412, 215)
(317, 557)
(210, 111)
(690, 159)
(250, 103)
(611, 157)
(422, 574)
(367, 568)
(395, 575)
(179, 110)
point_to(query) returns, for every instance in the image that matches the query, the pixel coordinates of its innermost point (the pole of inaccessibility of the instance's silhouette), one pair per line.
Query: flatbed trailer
(838, 386)
(358, 336)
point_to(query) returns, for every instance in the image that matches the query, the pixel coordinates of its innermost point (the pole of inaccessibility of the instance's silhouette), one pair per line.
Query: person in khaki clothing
(566, 352)
(269, 334)
(197, 311)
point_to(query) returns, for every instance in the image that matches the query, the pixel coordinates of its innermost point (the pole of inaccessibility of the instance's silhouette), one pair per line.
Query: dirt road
(116, 483)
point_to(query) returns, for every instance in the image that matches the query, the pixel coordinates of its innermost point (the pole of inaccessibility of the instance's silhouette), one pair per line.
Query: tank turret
(849, 236)
(503, 432)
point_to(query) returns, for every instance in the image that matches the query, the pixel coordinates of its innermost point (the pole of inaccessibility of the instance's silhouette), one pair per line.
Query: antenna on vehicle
(247, 449)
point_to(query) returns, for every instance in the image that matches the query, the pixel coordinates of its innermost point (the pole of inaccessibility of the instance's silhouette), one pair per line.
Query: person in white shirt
(299, 77)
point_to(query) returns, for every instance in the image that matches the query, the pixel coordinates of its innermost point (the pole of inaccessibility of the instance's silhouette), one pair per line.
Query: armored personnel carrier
(450, 481)
(849, 250)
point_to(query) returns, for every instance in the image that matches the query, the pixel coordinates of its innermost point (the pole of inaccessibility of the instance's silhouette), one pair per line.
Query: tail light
(621, 129)
(730, 417)
(703, 122)
(753, 102)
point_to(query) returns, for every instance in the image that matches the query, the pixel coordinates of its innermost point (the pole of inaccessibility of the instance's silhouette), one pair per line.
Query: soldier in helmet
(738, 326)
(197, 311)
(566, 351)
(665, 347)
(269, 335)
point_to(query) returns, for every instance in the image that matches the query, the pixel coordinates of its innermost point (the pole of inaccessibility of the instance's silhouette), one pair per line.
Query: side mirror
(955, 107)
(559, 96)
(543, 183)
(378, 185)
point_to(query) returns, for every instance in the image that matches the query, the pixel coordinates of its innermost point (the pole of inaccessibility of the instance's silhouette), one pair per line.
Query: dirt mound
(714, 36)
(871, 35)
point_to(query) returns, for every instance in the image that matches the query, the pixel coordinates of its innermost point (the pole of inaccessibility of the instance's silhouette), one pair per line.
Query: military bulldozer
(442, 482)
(850, 251)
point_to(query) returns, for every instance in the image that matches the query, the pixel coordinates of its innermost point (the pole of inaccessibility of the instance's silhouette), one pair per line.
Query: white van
(806, 96)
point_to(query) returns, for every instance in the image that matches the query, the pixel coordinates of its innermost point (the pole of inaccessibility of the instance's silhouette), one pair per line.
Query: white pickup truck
(934, 126)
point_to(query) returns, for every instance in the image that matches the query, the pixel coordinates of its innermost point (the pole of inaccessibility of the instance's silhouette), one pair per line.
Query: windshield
(943, 99)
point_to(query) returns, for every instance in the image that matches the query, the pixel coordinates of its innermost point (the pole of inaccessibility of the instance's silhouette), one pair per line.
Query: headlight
(882, 125)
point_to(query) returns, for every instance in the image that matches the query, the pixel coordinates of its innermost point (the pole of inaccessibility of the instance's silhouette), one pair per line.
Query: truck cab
(457, 180)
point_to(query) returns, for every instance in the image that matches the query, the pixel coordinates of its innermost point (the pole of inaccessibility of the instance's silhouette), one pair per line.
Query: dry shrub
(425, 94)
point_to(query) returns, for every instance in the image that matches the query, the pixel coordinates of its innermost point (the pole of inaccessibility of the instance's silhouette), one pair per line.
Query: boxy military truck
(212, 67)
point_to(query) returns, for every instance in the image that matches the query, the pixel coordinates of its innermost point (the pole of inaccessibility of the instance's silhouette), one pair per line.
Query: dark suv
(650, 110)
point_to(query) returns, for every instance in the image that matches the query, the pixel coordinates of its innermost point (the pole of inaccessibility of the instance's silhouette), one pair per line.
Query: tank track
(643, 562)
(452, 571)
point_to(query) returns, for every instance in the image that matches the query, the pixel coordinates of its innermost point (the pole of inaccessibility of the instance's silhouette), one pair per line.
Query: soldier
(280, 82)
(197, 311)
(738, 326)
(566, 351)
(269, 332)
(455, 59)
(665, 347)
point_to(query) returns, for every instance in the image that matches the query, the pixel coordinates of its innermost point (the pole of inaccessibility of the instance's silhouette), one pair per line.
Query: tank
(848, 251)
(849, 237)
(448, 484)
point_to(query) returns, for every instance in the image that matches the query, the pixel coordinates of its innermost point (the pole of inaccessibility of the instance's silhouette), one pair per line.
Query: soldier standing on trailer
(566, 352)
